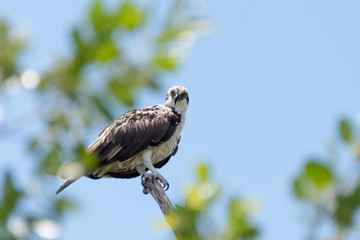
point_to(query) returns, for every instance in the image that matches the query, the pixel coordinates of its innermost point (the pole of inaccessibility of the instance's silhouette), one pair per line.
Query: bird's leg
(148, 164)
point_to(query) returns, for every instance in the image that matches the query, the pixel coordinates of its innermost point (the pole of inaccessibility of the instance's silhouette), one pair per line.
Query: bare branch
(167, 208)
(159, 195)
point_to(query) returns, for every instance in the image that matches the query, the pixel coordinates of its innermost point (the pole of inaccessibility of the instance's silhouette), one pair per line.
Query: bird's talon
(144, 184)
(145, 190)
(145, 176)
(164, 183)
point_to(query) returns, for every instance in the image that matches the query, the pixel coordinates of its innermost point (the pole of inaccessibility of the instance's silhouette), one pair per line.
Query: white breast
(167, 148)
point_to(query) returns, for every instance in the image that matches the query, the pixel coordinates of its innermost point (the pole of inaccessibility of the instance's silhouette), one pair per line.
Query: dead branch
(167, 208)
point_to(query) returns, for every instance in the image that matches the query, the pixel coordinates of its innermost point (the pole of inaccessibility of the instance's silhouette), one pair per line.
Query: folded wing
(133, 132)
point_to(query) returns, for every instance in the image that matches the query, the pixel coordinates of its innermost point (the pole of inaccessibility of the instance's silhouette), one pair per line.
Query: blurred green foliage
(333, 196)
(12, 46)
(9, 199)
(12, 196)
(345, 131)
(314, 179)
(113, 56)
(100, 76)
(190, 221)
(102, 72)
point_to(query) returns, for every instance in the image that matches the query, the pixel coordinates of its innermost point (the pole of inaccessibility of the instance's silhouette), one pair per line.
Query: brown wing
(133, 132)
(130, 134)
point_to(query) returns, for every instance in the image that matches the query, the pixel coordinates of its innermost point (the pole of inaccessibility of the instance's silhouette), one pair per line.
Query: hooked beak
(177, 98)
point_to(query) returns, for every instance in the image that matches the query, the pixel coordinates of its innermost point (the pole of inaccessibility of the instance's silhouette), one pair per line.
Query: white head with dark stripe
(178, 98)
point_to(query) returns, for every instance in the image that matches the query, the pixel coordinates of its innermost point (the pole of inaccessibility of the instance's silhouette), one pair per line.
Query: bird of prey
(134, 143)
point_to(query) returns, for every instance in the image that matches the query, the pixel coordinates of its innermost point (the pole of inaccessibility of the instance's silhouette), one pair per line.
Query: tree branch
(167, 208)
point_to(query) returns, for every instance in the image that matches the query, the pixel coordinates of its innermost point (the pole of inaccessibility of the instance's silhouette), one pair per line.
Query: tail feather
(71, 171)
(66, 184)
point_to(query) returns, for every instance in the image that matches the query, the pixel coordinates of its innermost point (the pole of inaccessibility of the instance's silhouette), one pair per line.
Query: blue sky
(267, 88)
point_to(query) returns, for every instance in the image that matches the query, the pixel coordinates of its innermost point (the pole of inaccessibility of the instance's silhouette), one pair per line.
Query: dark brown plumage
(132, 133)
(137, 141)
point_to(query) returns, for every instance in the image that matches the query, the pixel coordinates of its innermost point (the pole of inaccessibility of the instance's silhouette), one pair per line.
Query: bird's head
(178, 98)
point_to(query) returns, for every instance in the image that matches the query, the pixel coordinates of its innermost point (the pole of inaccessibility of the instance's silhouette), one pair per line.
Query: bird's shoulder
(148, 112)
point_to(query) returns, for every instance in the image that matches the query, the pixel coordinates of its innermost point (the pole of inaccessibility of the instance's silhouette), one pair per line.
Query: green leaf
(98, 16)
(313, 179)
(82, 52)
(347, 206)
(300, 186)
(51, 162)
(236, 208)
(11, 47)
(169, 35)
(61, 205)
(239, 225)
(98, 103)
(130, 16)
(10, 198)
(319, 173)
(184, 220)
(123, 91)
(59, 120)
(166, 62)
(76, 38)
(345, 131)
(202, 172)
(105, 51)
(88, 160)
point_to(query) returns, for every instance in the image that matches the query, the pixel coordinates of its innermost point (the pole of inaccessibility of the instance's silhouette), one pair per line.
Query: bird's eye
(172, 93)
(184, 95)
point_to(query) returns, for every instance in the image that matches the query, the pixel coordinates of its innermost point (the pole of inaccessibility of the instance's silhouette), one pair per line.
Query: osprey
(137, 141)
